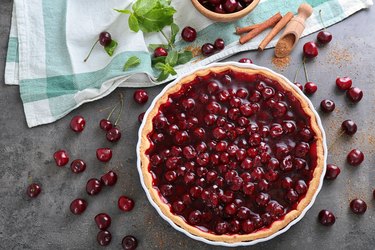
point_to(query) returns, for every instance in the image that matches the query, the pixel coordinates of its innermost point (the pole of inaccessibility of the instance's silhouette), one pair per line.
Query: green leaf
(156, 19)
(172, 58)
(163, 75)
(184, 57)
(132, 62)
(133, 23)
(165, 2)
(174, 31)
(160, 59)
(141, 7)
(123, 11)
(110, 49)
(152, 47)
(160, 66)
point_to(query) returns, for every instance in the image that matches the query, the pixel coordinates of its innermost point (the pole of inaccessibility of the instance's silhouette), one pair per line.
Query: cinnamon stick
(265, 25)
(241, 30)
(279, 26)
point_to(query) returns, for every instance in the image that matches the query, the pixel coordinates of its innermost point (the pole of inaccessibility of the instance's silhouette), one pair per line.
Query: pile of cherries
(95, 185)
(225, 6)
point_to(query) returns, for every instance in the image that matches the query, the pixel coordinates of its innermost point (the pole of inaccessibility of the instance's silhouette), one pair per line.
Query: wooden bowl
(224, 17)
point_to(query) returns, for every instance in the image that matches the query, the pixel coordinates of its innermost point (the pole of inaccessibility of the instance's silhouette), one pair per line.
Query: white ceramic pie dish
(218, 243)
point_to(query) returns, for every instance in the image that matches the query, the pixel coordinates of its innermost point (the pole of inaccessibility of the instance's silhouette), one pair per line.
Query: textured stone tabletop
(46, 222)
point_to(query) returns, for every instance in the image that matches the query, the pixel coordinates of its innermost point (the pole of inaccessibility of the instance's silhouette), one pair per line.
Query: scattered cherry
(160, 51)
(310, 50)
(327, 106)
(344, 83)
(78, 206)
(104, 154)
(140, 96)
(324, 37)
(77, 124)
(358, 206)
(129, 242)
(61, 158)
(354, 94)
(140, 117)
(78, 166)
(109, 179)
(355, 157)
(326, 218)
(310, 88)
(332, 172)
(125, 203)
(114, 134)
(189, 34)
(349, 127)
(103, 221)
(208, 49)
(245, 60)
(105, 38)
(299, 85)
(219, 44)
(33, 190)
(93, 186)
(105, 124)
(104, 238)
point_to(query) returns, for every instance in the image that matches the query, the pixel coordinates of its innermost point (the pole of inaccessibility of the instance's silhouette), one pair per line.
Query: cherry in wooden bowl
(225, 10)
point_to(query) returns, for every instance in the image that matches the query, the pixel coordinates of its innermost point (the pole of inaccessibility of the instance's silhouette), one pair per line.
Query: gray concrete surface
(46, 223)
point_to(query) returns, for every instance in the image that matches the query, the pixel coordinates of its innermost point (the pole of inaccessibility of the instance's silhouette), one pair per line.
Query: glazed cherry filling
(231, 152)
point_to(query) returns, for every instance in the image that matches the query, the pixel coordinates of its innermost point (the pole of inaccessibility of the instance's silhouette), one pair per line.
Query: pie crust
(276, 225)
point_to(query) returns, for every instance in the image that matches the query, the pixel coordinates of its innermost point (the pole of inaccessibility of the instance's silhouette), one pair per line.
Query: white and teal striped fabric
(49, 40)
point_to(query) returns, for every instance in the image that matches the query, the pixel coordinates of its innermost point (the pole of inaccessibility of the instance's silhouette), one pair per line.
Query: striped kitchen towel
(49, 39)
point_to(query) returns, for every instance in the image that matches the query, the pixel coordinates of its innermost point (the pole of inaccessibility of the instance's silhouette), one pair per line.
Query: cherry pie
(231, 154)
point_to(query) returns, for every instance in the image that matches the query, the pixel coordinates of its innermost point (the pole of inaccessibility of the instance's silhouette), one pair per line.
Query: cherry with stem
(323, 36)
(114, 134)
(310, 87)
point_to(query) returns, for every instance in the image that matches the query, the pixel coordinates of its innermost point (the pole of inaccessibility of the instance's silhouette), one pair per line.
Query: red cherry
(207, 49)
(160, 51)
(358, 206)
(104, 238)
(103, 221)
(230, 5)
(78, 206)
(310, 50)
(327, 106)
(77, 124)
(344, 83)
(324, 37)
(245, 60)
(78, 166)
(189, 34)
(140, 96)
(105, 38)
(125, 204)
(93, 186)
(355, 157)
(33, 190)
(105, 124)
(140, 117)
(109, 179)
(129, 242)
(349, 127)
(326, 218)
(310, 88)
(354, 94)
(299, 85)
(104, 154)
(61, 158)
(219, 44)
(332, 172)
(113, 135)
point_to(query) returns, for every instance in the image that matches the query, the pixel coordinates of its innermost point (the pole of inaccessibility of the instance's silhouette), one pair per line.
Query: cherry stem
(334, 142)
(166, 38)
(304, 68)
(321, 19)
(297, 72)
(122, 107)
(113, 110)
(93, 46)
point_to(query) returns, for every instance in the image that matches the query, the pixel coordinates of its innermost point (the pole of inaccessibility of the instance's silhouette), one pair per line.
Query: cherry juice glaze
(187, 111)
